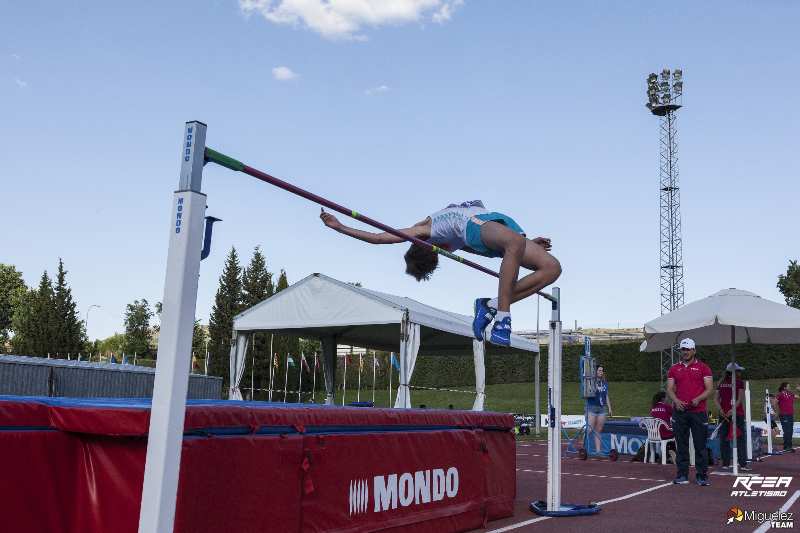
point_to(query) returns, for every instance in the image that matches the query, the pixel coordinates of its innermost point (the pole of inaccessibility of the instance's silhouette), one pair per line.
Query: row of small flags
(347, 362)
(103, 358)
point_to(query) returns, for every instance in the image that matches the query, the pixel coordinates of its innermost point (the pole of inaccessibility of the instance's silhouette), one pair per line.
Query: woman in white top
(469, 226)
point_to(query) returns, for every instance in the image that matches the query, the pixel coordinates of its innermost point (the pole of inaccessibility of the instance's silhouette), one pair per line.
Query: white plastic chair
(653, 427)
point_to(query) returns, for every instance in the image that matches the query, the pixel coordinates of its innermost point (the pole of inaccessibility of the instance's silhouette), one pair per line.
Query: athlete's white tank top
(449, 226)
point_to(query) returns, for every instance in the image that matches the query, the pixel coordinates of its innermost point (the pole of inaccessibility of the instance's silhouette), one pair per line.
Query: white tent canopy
(319, 307)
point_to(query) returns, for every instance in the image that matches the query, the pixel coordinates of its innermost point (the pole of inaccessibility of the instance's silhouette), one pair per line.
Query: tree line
(41, 320)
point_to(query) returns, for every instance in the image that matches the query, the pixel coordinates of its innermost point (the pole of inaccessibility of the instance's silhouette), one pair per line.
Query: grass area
(627, 398)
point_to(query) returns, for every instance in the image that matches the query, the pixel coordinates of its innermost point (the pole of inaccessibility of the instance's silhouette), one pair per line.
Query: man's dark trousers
(697, 423)
(725, 445)
(787, 425)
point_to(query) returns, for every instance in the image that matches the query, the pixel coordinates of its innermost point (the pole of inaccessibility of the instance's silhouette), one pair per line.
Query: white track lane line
(528, 522)
(589, 475)
(766, 525)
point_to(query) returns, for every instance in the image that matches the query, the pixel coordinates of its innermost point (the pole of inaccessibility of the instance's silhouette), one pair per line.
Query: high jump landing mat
(77, 464)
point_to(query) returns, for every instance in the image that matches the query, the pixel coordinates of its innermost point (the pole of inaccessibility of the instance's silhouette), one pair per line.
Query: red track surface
(675, 508)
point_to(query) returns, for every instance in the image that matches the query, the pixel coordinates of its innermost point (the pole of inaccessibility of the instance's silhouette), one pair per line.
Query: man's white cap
(687, 343)
(730, 367)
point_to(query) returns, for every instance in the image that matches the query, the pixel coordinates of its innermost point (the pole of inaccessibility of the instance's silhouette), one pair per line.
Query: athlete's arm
(679, 405)
(709, 384)
(420, 230)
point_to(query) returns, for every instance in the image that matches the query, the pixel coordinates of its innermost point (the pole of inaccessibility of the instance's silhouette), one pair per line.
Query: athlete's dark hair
(659, 397)
(420, 263)
(783, 386)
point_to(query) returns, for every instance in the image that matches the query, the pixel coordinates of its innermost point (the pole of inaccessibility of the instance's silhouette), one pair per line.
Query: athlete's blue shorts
(474, 232)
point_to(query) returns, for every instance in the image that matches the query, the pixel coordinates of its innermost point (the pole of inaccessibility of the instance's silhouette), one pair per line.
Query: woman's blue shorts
(597, 410)
(474, 231)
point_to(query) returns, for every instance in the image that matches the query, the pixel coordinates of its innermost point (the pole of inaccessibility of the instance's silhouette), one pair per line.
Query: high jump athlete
(470, 227)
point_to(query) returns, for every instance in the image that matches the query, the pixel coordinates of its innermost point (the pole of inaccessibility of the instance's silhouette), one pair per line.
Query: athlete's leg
(518, 251)
(546, 269)
(496, 236)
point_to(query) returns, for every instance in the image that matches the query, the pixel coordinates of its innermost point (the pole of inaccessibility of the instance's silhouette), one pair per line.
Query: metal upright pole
(733, 403)
(165, 436)
(748, 421)
(554, 398)
(537, 421)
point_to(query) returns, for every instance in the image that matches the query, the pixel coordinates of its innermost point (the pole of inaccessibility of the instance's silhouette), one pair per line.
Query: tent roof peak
(735, 292)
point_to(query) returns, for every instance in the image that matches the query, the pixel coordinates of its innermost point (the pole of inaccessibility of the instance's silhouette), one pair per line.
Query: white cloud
(446, 11)
(341, 19)
(15, 56)
(380, 89)
(285, 73)
(21, 83)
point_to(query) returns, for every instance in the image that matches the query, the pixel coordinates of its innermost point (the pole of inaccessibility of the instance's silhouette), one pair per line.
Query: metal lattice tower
(665, 98)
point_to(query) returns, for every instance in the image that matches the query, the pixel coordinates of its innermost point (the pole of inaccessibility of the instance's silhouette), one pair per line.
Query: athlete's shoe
(483, 317)
(702, 482)
(501, 332)
(683, 480)
(745, 468)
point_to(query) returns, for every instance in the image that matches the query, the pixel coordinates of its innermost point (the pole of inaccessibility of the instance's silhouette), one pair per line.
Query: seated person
(662, 410)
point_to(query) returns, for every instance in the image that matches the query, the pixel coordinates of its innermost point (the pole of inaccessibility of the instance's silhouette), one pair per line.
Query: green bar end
(223, 160)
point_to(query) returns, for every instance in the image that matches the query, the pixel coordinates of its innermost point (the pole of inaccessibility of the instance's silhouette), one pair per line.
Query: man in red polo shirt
(689, 383)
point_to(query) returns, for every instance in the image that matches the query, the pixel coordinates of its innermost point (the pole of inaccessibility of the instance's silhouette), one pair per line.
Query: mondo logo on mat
(421, 487)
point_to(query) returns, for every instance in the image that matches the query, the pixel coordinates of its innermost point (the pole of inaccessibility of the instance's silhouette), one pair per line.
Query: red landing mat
(71, 464)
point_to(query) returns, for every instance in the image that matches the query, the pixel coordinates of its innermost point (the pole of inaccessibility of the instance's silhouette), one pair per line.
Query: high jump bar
(233, 164)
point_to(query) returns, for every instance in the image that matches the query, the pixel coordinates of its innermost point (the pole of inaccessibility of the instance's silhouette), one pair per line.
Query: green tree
(284, 346)
(12, 290)
(199, 338)
(227, 304)
(115, 343)
(34, 322)
(257, 286)
(138, 335)
(68, 329)
(789, 285)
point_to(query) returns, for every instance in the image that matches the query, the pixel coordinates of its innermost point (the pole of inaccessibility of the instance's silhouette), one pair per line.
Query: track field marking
(528, 522)
(589, 475)
(637, 493)
(766, 525)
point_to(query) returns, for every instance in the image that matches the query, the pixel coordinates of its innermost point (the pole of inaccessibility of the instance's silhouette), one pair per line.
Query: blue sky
(395, 109)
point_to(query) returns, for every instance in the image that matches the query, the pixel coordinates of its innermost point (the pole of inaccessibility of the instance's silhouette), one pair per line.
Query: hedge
(621, 359)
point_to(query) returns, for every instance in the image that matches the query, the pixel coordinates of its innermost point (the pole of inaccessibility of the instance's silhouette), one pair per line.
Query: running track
(639, 497)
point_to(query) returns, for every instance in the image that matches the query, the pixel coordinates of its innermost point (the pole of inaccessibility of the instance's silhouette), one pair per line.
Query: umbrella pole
(733, 402)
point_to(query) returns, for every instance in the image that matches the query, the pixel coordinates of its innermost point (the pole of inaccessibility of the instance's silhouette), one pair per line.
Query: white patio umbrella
(727, 317)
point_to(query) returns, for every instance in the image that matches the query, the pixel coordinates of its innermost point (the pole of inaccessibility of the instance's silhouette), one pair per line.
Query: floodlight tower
(665, 94)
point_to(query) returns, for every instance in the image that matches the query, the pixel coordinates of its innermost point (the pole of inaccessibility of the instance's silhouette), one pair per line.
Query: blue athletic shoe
(702, 482)
(501, 332)
(683, 480)
(483, 317)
